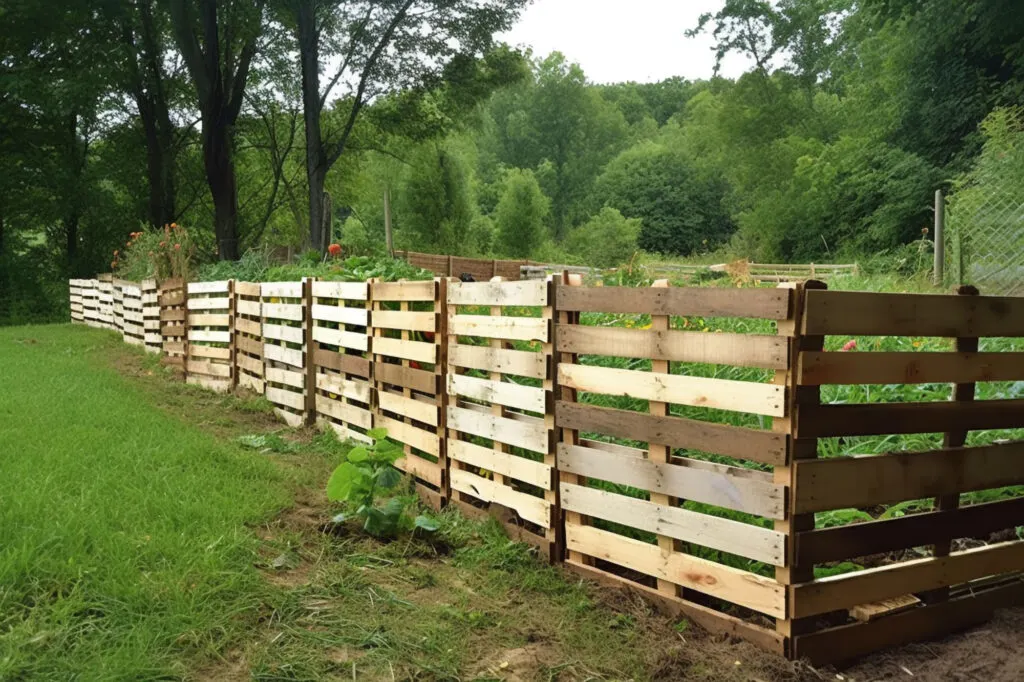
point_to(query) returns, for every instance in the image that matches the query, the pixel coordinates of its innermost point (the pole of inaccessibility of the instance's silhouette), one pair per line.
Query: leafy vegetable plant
(360, 481)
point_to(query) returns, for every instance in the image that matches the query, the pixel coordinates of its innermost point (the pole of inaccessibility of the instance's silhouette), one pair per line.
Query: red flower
(850, 345)
(177, 247)
(163, 243)
(334, 250)
(414, 364)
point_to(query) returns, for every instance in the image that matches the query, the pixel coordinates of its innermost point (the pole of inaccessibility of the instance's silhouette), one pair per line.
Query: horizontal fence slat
(222, 286)
(281, 289)
(899, 418)
(403, 291)
(404, 319)
(407, 377)
(926, 528)
(919, 575)
(287, 398)
(426, 441)
(770, 304)
(209, 336)
(723, 394)
(528, 398)
(520, 293)
(358, 317)
(421, 469)
(251, 289)
(348, 388)
(212, 352)
(247, 326)
(735, 492)
(767, 447)
(408, 407)
(747, 589)
(746, 540)
(506, 464)
(418, 351)
(287, 377)
(843, 482)
(205, 320)
(338, 337)
(209, 368)
(744, 350)
(532, 437)
(857, 313)
(821, 368)
(508, 328)
(340, 362)
(346, 412)
(280, 332)
(488, 359)
(348, 291)
(283, 311)
(209, 303)
(533, 509)
(288, 356)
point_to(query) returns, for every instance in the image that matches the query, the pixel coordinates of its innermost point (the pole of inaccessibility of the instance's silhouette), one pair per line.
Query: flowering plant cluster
(160, 253)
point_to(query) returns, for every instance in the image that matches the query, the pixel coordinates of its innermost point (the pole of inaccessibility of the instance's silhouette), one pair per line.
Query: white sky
(623, 40)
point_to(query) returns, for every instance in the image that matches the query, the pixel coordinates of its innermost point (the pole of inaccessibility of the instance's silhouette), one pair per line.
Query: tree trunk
(159, 174)
(317, 236)
(220, 175)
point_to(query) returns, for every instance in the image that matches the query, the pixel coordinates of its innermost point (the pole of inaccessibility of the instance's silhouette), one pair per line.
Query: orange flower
(334, 250)
(177, 247)
(163, 243)
(174, 226)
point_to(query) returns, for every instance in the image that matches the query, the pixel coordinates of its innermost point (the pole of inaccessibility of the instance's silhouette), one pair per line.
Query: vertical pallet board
(407, 322)
(643, 518)
(76, 300)
(341, 356)
(500, 390)
(105, 301)
(210, 353)
(975, 562)
(131, 313)
(284, 315)
(118, 308)
(151, 316)
(171, 296)
(91, 302)
(248, 329)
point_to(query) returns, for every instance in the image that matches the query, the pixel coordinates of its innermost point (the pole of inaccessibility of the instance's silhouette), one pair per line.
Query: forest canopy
(286, 125)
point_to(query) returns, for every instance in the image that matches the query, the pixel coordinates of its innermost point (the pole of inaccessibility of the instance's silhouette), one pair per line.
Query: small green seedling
(366, 474)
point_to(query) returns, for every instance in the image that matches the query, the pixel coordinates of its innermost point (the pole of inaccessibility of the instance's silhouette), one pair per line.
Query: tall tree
(381, 47)
(218, 40)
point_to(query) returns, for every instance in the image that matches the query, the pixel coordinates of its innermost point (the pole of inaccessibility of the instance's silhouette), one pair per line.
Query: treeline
(292, 123)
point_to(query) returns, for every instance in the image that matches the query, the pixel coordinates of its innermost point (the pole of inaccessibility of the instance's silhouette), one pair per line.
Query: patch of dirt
(522, 664)
(233, 668)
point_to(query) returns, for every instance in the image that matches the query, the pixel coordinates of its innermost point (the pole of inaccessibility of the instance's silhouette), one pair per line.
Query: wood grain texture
(520, 293)
(769, 304)
(488, 359)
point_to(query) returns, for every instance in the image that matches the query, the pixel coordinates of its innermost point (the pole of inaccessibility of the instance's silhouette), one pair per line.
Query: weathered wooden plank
(817, 369)
(249, 364)
(744, 350)
(720, 488)
(248, 345)
(289, 356)
(489, 359)
(211, 383)
(251, 289)
(209, 336)
(753, 542)
(212, 352)
(723, 394)
(506, 464)
(285, 377)
(533, 509)
(341, 362)
(770, 304)
(529, 398)
(354, 389)
(425, 441)
(281, 289)
(403, 291)
(292, 419)
(766, 447)
(282, 311)
(177, 315)
(347, 291)
(246, 326)
(209, 303)
(404, 319)
(244, 307)
(346, 412)
(511, 432)
(206, 320)
(171, 298)
(760, 594)
(927, 528)
(856, 313)
(338, 337)
(409, 407)
(884, 582)
(358, 317)
(509, 328)
(209, 287)
(406, 377)
(209, 368)
(519, 293)
(285, 397)
(422, 469)
(280, 332)
(898, 418)
(418, 351)
(844, 482)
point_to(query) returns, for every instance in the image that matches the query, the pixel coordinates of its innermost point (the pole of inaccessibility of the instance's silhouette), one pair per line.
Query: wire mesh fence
(985, 215)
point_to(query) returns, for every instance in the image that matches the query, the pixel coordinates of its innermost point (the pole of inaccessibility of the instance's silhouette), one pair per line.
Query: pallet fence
(117, 310)
(408, 367)
(686, 466)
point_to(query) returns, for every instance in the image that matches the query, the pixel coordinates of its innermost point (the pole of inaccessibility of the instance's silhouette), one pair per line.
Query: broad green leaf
(427, 523)
(377, 434)
(388, 477)
(359, 454)
(343, 481)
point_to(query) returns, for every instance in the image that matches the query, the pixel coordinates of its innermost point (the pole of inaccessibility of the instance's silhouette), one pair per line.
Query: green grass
(123, 539)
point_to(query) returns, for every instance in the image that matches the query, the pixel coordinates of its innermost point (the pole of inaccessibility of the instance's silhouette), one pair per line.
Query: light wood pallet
(105, 301)
(284, 311)
(211, 309)
(248, 329)
(500, 428)
(846, 616)
(151, 316)
(131, 314)
(76, 300)
(340, 337)
(91, 302)
(172, 297)
(685, 569)
(118, 307)
(408, 366)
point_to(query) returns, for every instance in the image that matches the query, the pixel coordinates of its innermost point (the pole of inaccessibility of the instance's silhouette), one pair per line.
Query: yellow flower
(916, 344)
(646, 326)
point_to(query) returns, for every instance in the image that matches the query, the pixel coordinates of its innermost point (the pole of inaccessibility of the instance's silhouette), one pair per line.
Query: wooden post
(387, 222)
(233, 345)
(441, 384)
(310, 367)
(938, 237)
(569, 437)
(450, 273)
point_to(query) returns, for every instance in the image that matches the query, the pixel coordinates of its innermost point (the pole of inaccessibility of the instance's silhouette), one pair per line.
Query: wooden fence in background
(482, 269)
(604, 444)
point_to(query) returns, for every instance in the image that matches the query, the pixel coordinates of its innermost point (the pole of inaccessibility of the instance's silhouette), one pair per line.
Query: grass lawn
(139, 539)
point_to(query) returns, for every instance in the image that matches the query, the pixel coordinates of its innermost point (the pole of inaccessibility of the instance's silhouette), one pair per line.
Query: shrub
(606, 240)
(520, 214)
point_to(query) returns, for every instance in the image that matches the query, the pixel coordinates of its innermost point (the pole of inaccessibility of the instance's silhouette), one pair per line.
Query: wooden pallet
(248, 329)
(76, 300)
(131, 314)
(285, 315)
(341, 344)
(407, 326)
(172, 297)
(105, 301)
(90, 302)
(606, 526)
(151, 316)
(500, 388)
(117, 314)
(211, 309)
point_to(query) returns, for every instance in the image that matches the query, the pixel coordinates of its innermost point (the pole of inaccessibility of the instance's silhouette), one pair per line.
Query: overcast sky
(623, 40)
